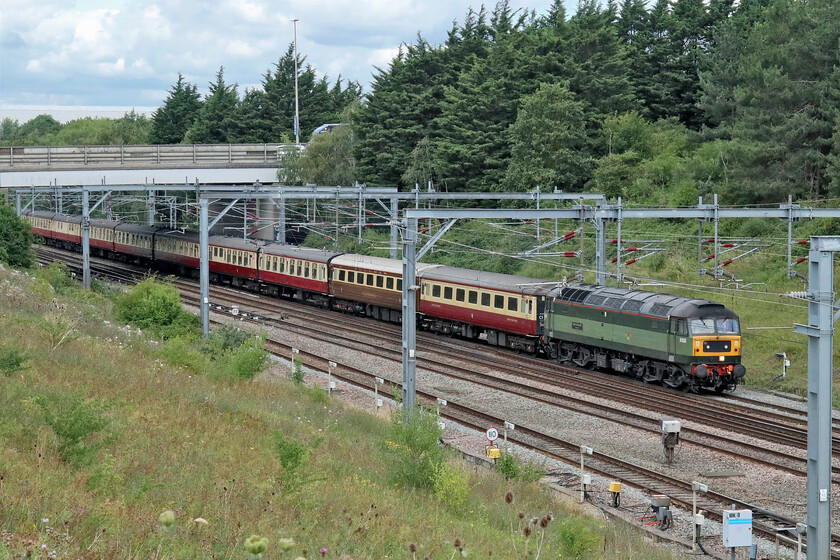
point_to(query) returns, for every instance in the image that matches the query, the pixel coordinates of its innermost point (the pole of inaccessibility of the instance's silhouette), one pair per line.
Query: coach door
(673, 328)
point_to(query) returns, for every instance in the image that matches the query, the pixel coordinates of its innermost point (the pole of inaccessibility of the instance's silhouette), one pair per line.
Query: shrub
(15, 239)
(11, 361)
(451, 484)
(58, 276)
(297, 369)
(150, 305)
(243, 362)
(180, 351)
(578, 540)
(513, 468)
(74, 421)
(293, 457)
(414, 447)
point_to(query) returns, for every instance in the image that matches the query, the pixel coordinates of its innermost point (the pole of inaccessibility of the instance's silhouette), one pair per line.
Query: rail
(22, 158)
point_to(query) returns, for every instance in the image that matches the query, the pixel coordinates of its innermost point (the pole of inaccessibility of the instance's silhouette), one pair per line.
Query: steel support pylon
(204, 268)
(409, 314)
(820, 333)
(86, 239)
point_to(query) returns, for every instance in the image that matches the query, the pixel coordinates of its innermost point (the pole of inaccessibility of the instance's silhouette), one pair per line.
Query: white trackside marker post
(377, 402)
(330, 382)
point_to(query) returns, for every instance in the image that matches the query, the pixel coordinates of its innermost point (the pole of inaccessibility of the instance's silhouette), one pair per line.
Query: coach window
(351, 276)
(370, 279)
(459, 294)
(499, 302)
(447, 292)
(473, 297)
(360, 278)
(399, 285)
(299, 268)
(340, 275)
(435, 290)
(513, 305)
(530, 306)
(485, 299)
(389, 283)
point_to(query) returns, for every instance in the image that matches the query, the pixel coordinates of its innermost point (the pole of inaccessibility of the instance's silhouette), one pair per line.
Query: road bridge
(34, 166)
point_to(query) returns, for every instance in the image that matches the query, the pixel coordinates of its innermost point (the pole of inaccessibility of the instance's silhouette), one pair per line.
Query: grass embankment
(100, 434)
(762, 274)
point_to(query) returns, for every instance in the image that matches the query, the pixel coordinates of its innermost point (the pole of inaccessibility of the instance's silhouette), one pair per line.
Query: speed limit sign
(492, 434)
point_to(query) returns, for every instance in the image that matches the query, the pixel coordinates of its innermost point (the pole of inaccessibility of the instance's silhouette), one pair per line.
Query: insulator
(631, 261)
(725, 263)
(569, 254)
(798, 295)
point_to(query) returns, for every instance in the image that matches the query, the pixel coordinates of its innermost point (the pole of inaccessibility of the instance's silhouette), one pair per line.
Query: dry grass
(178, 441)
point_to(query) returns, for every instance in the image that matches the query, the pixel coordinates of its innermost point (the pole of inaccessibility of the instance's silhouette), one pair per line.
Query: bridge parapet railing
(179, 155)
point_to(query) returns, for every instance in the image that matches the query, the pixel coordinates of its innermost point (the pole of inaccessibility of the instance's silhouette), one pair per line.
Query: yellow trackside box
(615, 487)
(493, 452)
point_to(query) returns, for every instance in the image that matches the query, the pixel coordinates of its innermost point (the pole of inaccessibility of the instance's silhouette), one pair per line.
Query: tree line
(657, 101)
(264, 114)
(654, 101)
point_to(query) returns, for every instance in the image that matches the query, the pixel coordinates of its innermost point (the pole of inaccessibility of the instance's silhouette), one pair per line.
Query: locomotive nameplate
(577, 326)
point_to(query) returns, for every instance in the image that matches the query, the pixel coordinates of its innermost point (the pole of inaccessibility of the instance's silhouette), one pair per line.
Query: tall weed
(451, 484)
(12, 361)
(413, 446)
(74, 421)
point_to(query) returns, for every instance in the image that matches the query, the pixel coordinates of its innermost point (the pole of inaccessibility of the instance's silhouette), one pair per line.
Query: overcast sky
(127, 53)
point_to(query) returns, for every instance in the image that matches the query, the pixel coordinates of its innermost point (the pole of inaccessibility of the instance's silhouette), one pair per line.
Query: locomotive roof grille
(660, 310)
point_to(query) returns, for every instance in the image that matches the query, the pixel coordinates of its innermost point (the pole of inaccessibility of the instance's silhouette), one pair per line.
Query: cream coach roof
(378, 264)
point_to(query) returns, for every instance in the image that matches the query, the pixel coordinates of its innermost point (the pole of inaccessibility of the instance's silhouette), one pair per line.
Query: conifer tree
(171, 121)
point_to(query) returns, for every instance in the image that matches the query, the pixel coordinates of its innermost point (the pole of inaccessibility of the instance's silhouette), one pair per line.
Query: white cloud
(124, 51)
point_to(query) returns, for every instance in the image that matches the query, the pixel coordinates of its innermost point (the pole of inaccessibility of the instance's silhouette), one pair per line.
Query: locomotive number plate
(577, 326)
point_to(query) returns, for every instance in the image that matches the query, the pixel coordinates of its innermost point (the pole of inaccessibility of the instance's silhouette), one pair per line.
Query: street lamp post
(297, 116)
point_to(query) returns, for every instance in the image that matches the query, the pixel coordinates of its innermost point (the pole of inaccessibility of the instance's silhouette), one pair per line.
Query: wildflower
(45, 520)
(167, 518)
(527, 531)
(509, 497)
(457, 543)
(412, 547)
(285, 544)
(324, 551)
(521, 515)
(256, 544)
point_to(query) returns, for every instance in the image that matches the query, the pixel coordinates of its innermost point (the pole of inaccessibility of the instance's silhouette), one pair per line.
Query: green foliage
(450, 484)
(293, 457)
(171, 121)
(229, 355)
(225, 337)
(57, 275)
(74, 421)
(413, 446)
(297, 369)
(12, 360)
(15, 239)
(151, 305)
(243, 362)
(513, 468)
(215, 121)
(549, 146)
(578, 539)
(58, 327)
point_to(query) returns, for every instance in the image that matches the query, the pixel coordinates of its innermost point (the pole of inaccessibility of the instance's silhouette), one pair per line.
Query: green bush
(150, 305)
(513, 468)
(414, 448)
(183, 352)
(451, 484)
(15, 239)
(244, 362)
(293, 457)
(578, 539)
(12, 361)
(74, 421)
(297, 369)
(58, 276)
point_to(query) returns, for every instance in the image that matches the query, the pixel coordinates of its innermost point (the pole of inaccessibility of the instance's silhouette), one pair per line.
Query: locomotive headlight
(721, 358)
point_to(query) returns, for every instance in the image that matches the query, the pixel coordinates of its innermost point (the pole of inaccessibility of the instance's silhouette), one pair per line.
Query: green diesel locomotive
(680, 342)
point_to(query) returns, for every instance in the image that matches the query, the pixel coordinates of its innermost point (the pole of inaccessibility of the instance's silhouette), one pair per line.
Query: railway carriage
(40, 223)
(179, 250)
(135, 241)
(296, 272)
(369, 285)
(66, 231)
(677, 341)
(102, 235)
(234, 259)
(508, 309)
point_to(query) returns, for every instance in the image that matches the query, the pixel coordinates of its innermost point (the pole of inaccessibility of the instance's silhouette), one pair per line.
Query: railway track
(633, 475)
